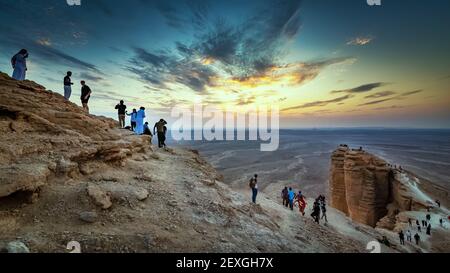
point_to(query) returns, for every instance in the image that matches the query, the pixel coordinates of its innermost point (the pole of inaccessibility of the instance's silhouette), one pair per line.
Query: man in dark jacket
(85, 95)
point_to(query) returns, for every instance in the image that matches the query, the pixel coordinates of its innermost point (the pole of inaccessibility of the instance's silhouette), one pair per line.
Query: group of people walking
(290, 198)
(423, 224)
(19, 65)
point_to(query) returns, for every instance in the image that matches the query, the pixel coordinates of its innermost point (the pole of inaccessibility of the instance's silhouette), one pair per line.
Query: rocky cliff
(373, 192)
(69, 176)
(44, 136)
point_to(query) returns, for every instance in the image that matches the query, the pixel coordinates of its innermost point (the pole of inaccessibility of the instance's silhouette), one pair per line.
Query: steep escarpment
(360, 185)
(45, 136)
(69, 176)
(371, 191)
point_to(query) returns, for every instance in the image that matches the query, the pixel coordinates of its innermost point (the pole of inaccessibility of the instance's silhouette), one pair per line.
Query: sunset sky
(326, 63)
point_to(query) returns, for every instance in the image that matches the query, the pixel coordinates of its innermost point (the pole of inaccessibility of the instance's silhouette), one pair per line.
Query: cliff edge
(373, 192)
(69, 176)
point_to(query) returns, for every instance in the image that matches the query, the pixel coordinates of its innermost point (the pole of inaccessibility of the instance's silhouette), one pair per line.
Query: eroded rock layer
(43, 135)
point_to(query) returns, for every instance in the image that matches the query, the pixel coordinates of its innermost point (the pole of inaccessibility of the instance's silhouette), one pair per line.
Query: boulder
(17, 247)
(88, 216)
(100, 197)
(141, 194)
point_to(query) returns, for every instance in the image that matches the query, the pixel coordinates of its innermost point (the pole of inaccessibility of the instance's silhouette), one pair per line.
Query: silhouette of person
(161, 130)
(19, 64)
(85, 95)
(68, 85)
(121, 109)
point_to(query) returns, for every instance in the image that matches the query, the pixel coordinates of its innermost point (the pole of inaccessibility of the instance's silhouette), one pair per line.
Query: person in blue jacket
(140, 116)
(133, 116)
(291, 196)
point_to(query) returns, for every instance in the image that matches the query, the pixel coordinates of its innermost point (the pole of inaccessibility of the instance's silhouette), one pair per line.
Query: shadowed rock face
(372, 192)
(360, 185)
(337, 181)
(43, 136)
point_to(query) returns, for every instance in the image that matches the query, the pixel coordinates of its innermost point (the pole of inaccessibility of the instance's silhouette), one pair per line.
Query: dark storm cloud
(250, 48)
(410, 93)
(175, 15)
(380, 95)
(43, 35)
(116, 49)
(319, 103)
(90, 77)
(361, 89)
(398, 97)
(310, 70)
(160, 68)
(56, 55)
(375, 102)
(255, 46)
(47, 53)
(390, 107)
(170, 13)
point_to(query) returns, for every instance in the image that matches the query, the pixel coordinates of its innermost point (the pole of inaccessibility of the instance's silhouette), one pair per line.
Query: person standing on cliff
(284, 197)
(132, 119)
(401, 235)
(147, 131)
(140, 116)
(316, 211)
(417, 238)
(19, 64)
(159, 130)
(429, 229)
(68, 85)
(291, 197)
(253, 184)
(408, 236)
(323, 208)
(301, 203)
(121, 108)
(85, 95)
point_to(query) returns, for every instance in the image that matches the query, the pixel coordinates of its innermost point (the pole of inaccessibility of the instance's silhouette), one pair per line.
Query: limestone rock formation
(66, 176)
(371, 191)
(44, 136)
(337, 180)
